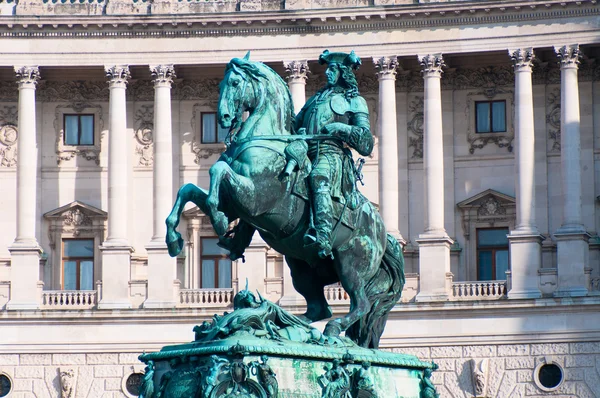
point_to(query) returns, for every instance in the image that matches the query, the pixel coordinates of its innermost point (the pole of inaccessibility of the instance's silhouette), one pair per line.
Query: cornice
(285, 22)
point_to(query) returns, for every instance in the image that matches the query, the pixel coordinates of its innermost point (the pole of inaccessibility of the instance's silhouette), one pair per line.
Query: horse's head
(237, 92)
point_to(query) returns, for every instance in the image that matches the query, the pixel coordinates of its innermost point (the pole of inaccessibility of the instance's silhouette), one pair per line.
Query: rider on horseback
(337, 110)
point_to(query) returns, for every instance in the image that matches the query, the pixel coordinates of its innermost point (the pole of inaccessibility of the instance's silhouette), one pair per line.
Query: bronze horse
(251, 182)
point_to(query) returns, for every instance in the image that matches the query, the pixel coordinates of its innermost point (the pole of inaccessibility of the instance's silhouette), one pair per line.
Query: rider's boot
(323, 220)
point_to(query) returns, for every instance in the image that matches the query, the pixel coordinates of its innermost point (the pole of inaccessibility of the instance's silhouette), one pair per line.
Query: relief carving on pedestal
(415, 127)
(553, 119)
(144, 125)
(68, 380)
(88, 152)
(9, 135)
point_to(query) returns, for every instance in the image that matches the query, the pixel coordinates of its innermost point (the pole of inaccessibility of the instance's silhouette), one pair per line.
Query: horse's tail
(384, 291)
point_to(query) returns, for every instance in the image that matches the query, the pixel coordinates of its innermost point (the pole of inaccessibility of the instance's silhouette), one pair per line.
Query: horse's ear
(247, 57)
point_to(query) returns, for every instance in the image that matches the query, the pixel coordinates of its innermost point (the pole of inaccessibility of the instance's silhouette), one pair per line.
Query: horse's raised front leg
(187, 193)
(240, 188)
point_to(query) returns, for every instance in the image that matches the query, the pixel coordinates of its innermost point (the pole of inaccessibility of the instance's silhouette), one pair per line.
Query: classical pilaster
(116, 250)
(525, 241)
(572, 238)
(25, 251)
(162, 268)
(388, 144)
(297, 72)
(434, 243)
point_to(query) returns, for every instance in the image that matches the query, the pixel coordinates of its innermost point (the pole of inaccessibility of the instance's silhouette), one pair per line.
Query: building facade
(486, 167)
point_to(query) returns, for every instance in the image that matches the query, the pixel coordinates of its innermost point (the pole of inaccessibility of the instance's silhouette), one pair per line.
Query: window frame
(78, 261)
(491, 113)
(216, 131)
(79, 129)
(493, 249)
(216, 258)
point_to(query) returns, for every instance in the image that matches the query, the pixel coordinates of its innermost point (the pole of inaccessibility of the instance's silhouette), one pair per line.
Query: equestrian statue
(293, 179)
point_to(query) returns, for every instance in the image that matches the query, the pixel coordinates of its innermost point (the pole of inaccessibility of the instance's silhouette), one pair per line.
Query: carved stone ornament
(27, 76)
(162, 74)
(9, 135)
(489, 78)
(144, 123)
(117, 75)
(296, 70)
(202, 151)
(88, 152)
(553, 119)
(481, 140)
(68, 380)
(140, 90)
(522, 58)
(79, 91)
(415, 127)
(431, 65)
(480, 377)
(491, 208)
(568, 56)
(76, 219)
(386, 67)
(207, 89)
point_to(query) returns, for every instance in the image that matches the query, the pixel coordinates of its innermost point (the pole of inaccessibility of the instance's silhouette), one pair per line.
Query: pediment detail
(489, 203)
(76, 212)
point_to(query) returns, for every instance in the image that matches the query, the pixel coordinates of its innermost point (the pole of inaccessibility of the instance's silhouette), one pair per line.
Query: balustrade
(205, 298)
(69, 299)
(479, 290)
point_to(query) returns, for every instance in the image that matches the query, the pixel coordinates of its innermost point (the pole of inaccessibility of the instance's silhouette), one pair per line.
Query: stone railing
(478, 290)
(193, 298)
(69, 299)
(335, 294)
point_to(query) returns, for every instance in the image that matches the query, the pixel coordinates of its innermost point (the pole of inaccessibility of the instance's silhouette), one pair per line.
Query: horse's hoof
(175, 246)
(332, 329)
(220, 223)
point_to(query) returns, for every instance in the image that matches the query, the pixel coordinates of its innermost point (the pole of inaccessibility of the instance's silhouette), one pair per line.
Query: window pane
(483, 117)
(209, 127)
(71, 130)
(87, 130)
(484, 265)
(86, 275)
(224, 273)
(70, 275)
(499, 116)
(501, 264)
(79, 248)
(208, 274)
(210, 248)
(492, 237)
(222, 133)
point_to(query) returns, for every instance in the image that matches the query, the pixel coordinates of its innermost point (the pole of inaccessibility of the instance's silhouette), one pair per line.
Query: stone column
(297, 75)
(116, 250)
(525, 241)
(388, 145)
(25, 251)
(434, 243)
(162, 268)
(572, 238)
(255, 268)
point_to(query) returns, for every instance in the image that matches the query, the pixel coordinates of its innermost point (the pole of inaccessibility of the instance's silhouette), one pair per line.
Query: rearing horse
(250, 183)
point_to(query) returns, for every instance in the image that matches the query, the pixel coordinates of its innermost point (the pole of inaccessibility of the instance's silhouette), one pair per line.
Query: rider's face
(333, 74)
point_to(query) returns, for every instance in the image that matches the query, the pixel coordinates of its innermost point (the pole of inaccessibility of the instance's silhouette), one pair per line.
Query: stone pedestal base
(434, 268)
(525, 261)
(116, 270)
(162, 271)
(572, 259)
(25, 276)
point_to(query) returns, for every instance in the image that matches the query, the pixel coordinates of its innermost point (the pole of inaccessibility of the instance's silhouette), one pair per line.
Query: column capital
(386, 67)
(296, 70)
(522, 59)
(162, 75)
(27, 76)
(117, 75)
(568, 56)
(431, 65)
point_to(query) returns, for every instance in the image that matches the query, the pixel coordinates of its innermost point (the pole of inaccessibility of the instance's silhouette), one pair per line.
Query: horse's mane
(272, 89)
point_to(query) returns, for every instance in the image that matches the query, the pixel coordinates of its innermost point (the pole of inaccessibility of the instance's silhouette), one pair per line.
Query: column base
(434, 267)
(25, 274)
(572, 258)
(162, 271)
(525, 260)
(116, 270)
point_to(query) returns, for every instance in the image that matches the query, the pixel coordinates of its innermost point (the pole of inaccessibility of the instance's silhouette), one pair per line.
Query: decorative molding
(198, 89)
(9, 134)
(27, 76)
(140, 90)
(296, 70)
(568, 56)
(162, 75)
(431, 65)
(489, 78)
(68, 382)
(144, 126)
(117, 75)
(522, 59)
(386, 67)
(553, 119)
(491, 207)
(78, 90)
(415, 126)
(481, 140)
(480, 371)
(88, 152)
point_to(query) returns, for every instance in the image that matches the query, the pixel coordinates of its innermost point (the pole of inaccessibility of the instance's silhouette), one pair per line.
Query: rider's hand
(337, 129)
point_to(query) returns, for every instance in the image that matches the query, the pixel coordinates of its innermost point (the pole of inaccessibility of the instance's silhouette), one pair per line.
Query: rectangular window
(211, 131)
(490, 116)
(79, 129)
(216, 265)
(492, 254)
(78, 264)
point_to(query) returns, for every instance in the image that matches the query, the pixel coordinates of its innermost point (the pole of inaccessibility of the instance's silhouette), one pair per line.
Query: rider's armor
(331, 105)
